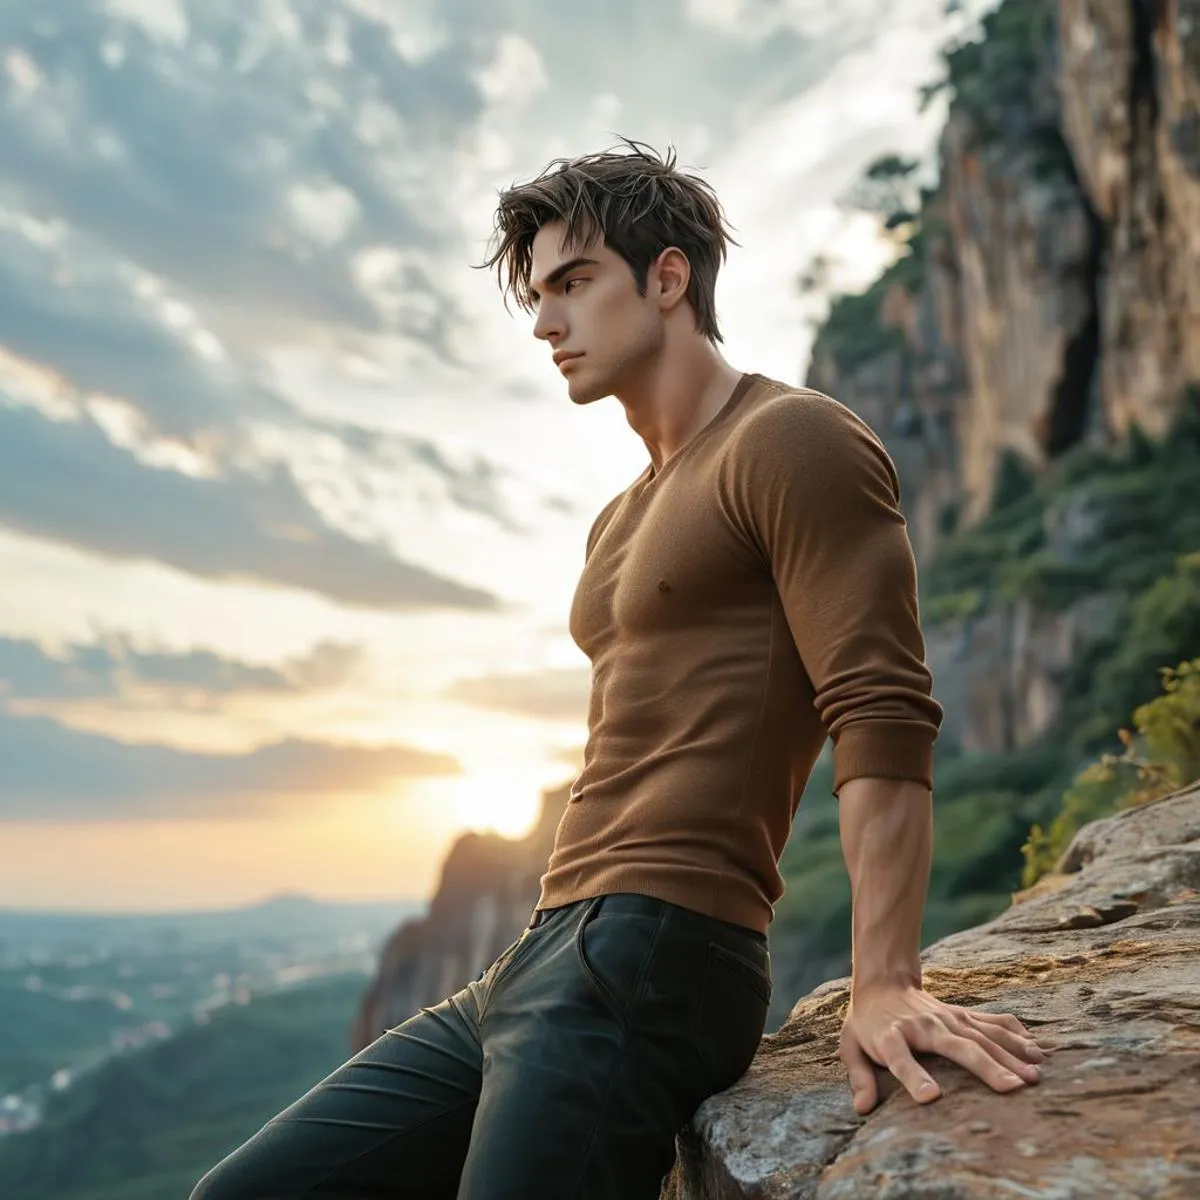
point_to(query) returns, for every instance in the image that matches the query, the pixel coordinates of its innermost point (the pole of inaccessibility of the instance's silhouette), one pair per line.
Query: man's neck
(677, 403)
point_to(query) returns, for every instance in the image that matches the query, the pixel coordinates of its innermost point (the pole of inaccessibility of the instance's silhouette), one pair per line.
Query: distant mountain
(21, 929)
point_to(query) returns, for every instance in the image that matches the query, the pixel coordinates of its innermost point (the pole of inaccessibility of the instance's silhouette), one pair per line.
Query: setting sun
(496, 800)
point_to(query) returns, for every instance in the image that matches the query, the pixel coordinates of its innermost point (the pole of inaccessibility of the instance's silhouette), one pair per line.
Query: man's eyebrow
(564, 269)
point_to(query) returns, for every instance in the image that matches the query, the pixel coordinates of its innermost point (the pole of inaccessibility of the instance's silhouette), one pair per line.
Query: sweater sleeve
(813, 489)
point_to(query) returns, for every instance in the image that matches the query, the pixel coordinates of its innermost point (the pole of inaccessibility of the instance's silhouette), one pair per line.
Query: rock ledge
(1102, 960)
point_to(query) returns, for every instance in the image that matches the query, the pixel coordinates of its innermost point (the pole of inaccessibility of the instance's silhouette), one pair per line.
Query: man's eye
(567, 287)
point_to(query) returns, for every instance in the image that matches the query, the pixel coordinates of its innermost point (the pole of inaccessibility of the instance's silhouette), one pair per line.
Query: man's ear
(674, 275)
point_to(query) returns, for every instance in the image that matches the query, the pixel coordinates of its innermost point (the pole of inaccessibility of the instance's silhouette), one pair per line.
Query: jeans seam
(514, 952)
(619, 1058)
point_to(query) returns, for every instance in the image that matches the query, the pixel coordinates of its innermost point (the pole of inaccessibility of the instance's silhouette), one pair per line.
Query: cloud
(65, 481)
(108, 669)
(191, 153)
(556, 694)
(256, 152)
(49, 772)
(188, 187)
(119, 333)
(476, 488)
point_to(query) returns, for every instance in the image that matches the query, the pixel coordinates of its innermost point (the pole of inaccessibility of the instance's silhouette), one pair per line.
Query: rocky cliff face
(1059, 289)
(486, 895)
(1102, 959)
(999, 675)
(1130, 85)
(1056, 302)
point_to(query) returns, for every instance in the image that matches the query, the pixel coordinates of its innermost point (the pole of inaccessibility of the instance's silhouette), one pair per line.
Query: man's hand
(888, 1021)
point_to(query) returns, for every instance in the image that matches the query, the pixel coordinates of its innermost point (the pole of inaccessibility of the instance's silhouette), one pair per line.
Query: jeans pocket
(731, 1013)
(614, 950)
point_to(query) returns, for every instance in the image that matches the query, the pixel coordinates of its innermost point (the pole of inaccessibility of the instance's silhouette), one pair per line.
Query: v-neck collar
(743, 385)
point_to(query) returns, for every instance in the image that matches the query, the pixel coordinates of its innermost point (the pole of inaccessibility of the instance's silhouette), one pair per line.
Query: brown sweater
(753, 596)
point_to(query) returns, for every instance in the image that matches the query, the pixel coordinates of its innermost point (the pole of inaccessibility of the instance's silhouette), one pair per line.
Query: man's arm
(887, 841)
(886, 830)
(813, 489)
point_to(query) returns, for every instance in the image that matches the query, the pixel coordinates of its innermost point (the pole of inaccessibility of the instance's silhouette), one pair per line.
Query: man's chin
(586, 393)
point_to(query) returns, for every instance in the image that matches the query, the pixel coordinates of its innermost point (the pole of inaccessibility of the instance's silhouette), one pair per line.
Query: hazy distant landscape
(147, 1125)
(118, 1029)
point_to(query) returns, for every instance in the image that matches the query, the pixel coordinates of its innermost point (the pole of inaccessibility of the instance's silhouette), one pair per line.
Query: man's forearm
(887, 835)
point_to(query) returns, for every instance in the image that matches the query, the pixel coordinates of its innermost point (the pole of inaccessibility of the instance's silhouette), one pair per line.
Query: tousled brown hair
(640, 203)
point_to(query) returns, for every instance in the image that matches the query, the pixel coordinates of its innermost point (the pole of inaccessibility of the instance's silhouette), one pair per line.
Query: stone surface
(1102, 960)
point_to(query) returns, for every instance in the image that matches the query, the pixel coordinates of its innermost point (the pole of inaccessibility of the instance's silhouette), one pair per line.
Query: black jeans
(562, 1073)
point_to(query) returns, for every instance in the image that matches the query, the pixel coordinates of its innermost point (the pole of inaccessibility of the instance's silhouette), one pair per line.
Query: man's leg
(603, 1034)
(394, 1121)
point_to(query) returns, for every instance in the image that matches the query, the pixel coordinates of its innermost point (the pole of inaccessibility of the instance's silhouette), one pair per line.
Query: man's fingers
(919, 1084)
(1025, 1048)
(861, 1070)
(968, 1053)
(992, 1039)
(1005, 1020)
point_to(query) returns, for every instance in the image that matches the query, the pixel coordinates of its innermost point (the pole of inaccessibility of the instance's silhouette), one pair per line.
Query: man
(752, 592)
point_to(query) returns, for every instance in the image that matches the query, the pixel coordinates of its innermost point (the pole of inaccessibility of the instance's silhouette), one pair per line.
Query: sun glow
(497, 800)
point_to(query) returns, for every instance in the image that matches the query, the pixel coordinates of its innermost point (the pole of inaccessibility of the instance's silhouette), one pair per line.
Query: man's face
(591, 309)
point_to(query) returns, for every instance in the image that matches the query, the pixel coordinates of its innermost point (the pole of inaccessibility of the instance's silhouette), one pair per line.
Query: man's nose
(546, 325)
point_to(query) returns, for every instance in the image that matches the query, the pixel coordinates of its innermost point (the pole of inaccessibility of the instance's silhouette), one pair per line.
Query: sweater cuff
(884, 749)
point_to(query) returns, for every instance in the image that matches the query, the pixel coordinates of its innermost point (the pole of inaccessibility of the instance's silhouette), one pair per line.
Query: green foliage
(886, 189)
(891, 166)
(1121, 670)
(816, 898)
(950, 606)
(854, 332)
(975, 558)
(1145, 506)
(1170, 729)
(1140, 449)
(1024, 772)
(948, 518)
(1163, 757)
(998, 69)
(1015, 480)
(993, 77)
(970, 836)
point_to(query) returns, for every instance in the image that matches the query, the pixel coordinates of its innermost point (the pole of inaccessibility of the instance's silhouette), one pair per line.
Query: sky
(291, 507)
